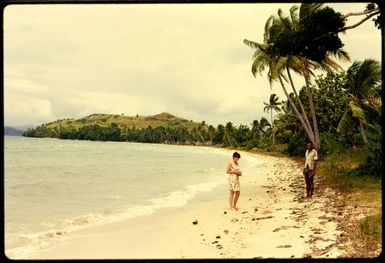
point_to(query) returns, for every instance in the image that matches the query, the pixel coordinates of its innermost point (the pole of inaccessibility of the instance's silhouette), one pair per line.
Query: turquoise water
(56, 185)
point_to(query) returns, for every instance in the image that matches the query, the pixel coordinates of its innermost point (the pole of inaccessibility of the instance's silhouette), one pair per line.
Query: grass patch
(335, 171)
(361, 190)
(367, 237)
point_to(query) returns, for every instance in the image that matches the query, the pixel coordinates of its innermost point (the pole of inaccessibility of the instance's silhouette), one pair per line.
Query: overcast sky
(70, 61)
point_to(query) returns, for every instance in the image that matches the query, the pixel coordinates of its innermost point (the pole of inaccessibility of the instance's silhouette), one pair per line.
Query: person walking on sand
(309, 169)
(234, 186)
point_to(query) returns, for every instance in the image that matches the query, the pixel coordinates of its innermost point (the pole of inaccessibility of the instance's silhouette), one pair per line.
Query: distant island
(160, 128)
(10, 131)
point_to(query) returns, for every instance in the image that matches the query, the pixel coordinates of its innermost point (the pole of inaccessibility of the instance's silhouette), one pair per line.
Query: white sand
(273, 222)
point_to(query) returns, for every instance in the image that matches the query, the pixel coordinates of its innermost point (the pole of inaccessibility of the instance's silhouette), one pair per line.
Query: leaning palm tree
(268, 56)
(363, 86)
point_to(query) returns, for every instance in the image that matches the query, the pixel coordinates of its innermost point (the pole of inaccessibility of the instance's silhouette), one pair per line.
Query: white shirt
(310, 158)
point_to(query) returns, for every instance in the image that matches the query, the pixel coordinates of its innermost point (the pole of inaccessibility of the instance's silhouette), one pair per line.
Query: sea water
(54, 186)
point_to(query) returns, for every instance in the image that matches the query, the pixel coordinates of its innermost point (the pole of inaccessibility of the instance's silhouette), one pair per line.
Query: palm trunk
(317, 144)
(308, 131)
(363, 134)
(271, 117)
(304, 115)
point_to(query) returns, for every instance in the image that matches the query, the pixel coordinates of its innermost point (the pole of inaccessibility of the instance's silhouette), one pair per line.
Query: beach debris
(214, 242)
(218, 237)
(202, 234)
(226, 231)
(267, 211)
(234, 220)
(284, 246)
(195, 222)
(255, 209)
(225, 212)
(244, 212)
(264, 217)
(59, 233)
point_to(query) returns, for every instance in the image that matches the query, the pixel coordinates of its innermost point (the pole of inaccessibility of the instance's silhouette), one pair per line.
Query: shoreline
(273, 221)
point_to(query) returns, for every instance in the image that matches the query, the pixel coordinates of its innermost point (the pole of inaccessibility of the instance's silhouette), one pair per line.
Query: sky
(71, 60)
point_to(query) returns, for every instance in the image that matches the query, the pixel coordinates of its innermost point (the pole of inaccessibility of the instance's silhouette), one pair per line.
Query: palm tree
(228, 136)
(273, 105)
(363, 86)
(259, 127)
(267, 55)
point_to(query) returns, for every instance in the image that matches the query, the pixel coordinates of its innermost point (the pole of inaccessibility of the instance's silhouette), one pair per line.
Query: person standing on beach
(234, 186)
(309, 170)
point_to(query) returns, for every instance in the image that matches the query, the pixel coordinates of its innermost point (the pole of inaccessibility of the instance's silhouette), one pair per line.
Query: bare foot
(236, 208)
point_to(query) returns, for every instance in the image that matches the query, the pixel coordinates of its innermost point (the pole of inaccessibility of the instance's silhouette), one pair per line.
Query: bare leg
(311, 189)
(231, 199)
(237, 194)
(307, 185)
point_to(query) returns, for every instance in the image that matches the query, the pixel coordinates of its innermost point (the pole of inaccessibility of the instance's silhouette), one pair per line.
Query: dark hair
(235, 154)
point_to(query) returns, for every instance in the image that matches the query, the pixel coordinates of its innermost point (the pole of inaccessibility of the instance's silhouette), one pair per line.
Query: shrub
(297, 145)
(372, 165)
(331, 143)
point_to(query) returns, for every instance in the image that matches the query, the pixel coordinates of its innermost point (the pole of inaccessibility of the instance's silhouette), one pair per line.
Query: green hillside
(139, 122)
(163, 127)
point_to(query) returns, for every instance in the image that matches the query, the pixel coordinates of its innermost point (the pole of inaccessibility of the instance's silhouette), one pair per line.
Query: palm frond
(363, 77)
(284, 20)
(309, 8)
(252, 44)
(347, 122)
(357, 111)
(342, 55)
(268, 24)
(294, 16)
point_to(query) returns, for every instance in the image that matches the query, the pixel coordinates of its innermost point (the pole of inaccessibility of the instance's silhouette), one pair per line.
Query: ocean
(54, 186)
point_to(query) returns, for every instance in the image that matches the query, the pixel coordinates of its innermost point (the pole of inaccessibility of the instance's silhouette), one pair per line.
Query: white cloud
(73, 60)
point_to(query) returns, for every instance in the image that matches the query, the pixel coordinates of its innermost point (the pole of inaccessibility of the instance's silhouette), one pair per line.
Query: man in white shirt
(309, 170)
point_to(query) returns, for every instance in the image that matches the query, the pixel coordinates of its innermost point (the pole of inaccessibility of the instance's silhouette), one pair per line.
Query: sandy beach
(273, 221)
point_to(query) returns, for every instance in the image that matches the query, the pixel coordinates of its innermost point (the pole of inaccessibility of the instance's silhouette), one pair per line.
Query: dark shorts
(309, 175)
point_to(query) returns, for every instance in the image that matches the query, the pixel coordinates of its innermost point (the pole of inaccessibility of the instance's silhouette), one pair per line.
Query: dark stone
(225, 212)
(195, 222)
(218, 237)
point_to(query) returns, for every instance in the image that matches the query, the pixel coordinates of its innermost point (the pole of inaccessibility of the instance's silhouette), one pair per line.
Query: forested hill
(154, 128)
